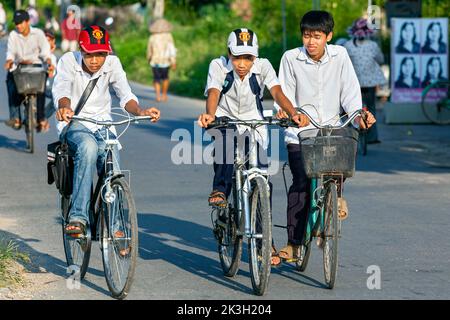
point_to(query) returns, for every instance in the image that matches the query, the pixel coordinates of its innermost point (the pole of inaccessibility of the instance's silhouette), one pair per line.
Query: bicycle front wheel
(331, 235)
(76, 249)
(303, 257)
(260, 242)
(30, 125)
(119, 236)
(436, 102)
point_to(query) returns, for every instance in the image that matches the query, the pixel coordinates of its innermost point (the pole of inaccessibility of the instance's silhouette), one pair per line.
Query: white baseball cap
(243, 41)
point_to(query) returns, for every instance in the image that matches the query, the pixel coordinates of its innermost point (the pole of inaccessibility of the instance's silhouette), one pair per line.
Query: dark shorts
(160, 74)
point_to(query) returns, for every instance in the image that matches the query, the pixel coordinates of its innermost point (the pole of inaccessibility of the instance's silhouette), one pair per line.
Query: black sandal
(218, 194)
(79, 228)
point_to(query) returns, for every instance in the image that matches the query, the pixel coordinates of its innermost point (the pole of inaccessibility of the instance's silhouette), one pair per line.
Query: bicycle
(30, 80)
(248, 213)
(435, 102)
(328, 154)
(112, 210)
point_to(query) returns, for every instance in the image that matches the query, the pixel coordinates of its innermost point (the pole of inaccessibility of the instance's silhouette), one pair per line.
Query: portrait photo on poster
(434, 36)
(408, 36)
(407, 71)
(434, 68)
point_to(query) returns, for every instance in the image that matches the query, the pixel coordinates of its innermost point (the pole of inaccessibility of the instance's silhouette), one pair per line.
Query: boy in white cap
(234, 90)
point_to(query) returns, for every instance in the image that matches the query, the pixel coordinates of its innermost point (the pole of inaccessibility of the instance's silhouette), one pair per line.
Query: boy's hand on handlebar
(366, 120)
(64, 114)
(281, 114)
(301, 119)
(152, 112)
(205, 119)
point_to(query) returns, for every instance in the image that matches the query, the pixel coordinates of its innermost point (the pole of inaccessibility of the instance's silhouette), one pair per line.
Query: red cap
(94, 39)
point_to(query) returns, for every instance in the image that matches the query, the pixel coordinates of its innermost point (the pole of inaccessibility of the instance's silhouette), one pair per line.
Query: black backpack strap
(256, 90)
(86, 93)
(229, 79)
(84, 97)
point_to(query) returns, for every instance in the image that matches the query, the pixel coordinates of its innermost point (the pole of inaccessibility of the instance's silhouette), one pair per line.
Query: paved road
(398, 199)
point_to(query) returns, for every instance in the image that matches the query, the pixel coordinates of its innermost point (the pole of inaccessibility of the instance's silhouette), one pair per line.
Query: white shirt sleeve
(65, 76)
(216, 76)
(120, 84)
(269, 75)
(351, 99)
(10, 51)
(45, 46)
(287, 81)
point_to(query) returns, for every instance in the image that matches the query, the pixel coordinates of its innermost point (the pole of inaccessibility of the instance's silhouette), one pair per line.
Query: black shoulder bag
(60, 164)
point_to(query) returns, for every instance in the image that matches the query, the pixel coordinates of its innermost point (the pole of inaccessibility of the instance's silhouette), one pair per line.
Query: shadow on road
(174, 240)
(42, 262)
(13, 144)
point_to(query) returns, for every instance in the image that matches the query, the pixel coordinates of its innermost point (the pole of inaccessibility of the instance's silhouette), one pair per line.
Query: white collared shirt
(71, 80)
(33, 47)
(327, 85)
(239, 103)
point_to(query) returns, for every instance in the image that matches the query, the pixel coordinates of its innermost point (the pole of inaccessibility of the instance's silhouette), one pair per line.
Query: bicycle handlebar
(319, 126)
(284, 122)
(110, 122)
(251, 123)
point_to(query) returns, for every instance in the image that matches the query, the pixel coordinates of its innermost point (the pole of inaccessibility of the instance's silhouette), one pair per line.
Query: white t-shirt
(320, 87)
(71, 80)
(239, 102)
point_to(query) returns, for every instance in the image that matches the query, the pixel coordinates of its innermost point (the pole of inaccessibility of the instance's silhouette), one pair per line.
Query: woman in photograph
(407, 76)
(434, 72)
(408, 43)
(434, 39)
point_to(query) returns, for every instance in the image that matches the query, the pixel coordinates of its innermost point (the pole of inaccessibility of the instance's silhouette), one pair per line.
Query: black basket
(329, 153)
(30, 79)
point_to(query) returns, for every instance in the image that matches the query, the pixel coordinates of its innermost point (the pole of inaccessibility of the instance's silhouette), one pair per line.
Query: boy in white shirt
(229, 94)
(321, 78)
(85, 140)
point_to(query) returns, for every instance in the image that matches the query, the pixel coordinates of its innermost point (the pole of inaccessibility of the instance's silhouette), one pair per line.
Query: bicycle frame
(254, 173)
(106, 176)
(316, 218)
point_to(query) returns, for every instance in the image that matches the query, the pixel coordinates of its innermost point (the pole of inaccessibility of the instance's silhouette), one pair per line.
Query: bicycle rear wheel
(436, 102)
(119, 236)
(227, 225)
(76, 249)
(260, 244)
(31, 122)
(331, 235)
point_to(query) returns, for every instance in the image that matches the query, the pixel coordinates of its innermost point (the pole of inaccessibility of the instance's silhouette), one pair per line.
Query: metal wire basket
(30, 79)
(329, 152)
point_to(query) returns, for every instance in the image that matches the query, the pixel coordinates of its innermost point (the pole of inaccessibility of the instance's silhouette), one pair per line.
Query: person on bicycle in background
(230, 92)
(321, 78)
(85, 140)
(49, 107)
(26, 45)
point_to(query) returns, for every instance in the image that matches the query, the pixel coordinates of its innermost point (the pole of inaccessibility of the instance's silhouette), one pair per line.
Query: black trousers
(298, 196)
(15, 99)
(369, 99)
(224, 162)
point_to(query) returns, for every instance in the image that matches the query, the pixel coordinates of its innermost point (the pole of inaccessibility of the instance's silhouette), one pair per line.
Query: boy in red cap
(86, 140)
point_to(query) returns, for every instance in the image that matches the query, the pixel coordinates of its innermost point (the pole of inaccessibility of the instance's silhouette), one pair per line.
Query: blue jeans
(88, 152)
